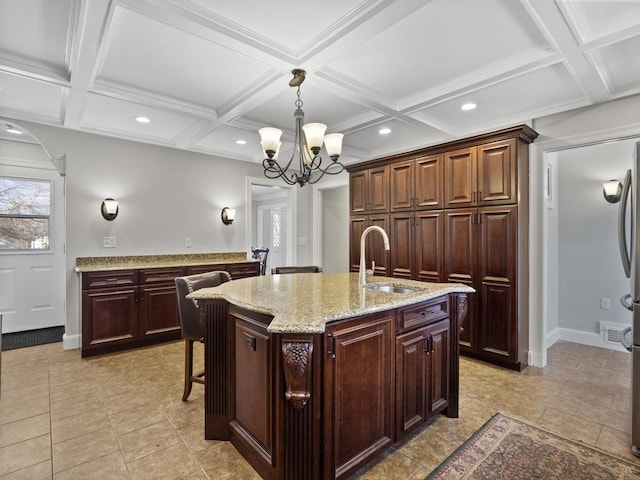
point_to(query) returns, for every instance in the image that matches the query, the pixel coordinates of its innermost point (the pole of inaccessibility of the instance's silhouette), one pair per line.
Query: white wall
(618, 119)
(589, 259)
(335, 230)
(165, 195)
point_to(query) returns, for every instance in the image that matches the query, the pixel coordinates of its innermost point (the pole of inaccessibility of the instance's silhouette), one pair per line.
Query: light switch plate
(109, 242)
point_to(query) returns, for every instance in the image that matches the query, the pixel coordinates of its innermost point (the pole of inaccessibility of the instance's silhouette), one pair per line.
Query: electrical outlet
(187, 242)
(605, 304)
(109, 242)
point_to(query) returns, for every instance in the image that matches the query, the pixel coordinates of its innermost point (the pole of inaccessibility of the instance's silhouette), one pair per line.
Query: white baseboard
(537, 360)
(585, 338)
(552, 337)
(71, 342)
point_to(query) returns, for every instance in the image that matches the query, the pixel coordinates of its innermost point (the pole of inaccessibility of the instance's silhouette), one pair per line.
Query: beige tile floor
(121, 417)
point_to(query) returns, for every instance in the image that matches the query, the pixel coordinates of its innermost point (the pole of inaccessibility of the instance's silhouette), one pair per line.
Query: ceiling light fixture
(307, 144)
(384, 131)
(241, 142)
(14, 130)
(142, 119)
(468, 106)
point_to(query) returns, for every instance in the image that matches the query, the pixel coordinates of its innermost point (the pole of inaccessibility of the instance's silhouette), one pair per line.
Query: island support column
(300, 406)
(216, 367)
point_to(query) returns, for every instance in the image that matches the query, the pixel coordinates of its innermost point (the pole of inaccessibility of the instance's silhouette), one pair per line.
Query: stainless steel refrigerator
(629, 240)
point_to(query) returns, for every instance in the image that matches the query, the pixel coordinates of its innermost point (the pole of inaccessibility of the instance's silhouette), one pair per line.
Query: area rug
(508, 449)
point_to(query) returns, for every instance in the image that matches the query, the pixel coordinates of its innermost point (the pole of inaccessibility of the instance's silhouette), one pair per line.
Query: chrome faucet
(363, 237)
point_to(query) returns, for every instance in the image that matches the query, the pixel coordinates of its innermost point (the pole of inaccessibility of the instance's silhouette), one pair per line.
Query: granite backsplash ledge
(84, 264)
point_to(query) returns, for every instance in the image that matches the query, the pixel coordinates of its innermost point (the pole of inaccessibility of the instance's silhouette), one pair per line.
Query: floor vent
(611, 332)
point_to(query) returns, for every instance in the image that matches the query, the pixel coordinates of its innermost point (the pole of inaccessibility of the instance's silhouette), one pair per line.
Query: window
(276, 230)
(25, 207)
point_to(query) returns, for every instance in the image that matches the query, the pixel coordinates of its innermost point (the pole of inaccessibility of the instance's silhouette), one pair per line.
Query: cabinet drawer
(119, 278)
(423, 314)
(161, 275)
(196, 269)
(241, 270)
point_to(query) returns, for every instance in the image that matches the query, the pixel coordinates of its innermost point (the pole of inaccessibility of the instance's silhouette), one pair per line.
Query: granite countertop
(96, 264)
(306, 302)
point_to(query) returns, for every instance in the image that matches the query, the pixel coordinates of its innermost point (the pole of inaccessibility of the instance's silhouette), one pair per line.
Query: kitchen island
(311, 375)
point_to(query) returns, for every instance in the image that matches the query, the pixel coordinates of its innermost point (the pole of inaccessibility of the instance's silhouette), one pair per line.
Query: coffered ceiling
(208, 73)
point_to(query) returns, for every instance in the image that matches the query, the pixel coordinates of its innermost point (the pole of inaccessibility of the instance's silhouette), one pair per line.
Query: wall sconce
(228, 214)
(612, 190)
(109, 208)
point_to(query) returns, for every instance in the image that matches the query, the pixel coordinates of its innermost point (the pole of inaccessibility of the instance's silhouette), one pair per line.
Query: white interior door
(32, 283)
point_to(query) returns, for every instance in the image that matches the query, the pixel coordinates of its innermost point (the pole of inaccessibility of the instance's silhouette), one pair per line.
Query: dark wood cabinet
(369, 190)
(423, 357)
(236, 270)
(358, 390)
(417, 238)
(481, 251)
(126, 309)
(243, 270)
(158, 303)
(481, 175)
(158, 310)
(416, 183)
(322, 405)
(109, 317)
(374, 243)
(120, 317)
(459, 212)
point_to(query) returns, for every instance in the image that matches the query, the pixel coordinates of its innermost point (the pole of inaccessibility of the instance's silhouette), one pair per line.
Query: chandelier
(307, 144)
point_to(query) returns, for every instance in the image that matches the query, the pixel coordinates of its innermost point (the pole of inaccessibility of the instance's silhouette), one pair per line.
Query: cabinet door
(358, 390)
(497, 327)
(401, 237)
(461, 254)
(109, 316)
(375, 245)
(428, 246)
(378, 189)
(358, 191)
(356, 227)
(460, 178)
(411, 380)
(497, 173)
(158, 310)
(438, 354)
(429, 182)
(401, 185)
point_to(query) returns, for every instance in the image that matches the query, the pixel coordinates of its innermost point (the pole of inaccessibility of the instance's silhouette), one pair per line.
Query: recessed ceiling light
(241, 142)
(142, 119)
(468, 106)
(14, 130)
(384, 131)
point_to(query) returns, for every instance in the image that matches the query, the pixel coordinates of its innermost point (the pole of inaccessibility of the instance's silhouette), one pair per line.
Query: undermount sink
(389, 288)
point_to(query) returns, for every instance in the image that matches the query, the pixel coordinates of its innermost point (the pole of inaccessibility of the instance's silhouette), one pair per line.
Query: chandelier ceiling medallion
(307, 144)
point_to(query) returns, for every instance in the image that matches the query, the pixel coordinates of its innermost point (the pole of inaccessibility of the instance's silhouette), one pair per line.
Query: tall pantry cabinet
(459, 212)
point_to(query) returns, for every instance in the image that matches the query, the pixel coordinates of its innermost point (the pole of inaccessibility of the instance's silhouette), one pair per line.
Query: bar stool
(190, 322)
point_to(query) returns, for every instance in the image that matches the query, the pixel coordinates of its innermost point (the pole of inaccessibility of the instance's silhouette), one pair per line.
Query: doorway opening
(271, 220)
